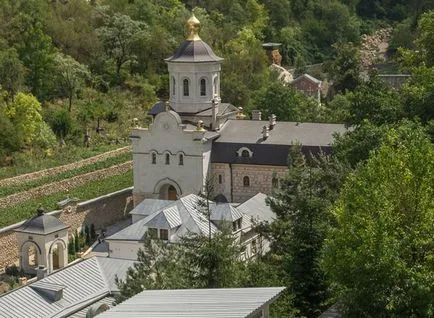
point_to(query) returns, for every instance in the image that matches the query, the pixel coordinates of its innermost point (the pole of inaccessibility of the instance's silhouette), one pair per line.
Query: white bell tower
(194, 73)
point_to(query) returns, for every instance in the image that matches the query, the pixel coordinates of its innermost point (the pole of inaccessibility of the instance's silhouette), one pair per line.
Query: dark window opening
(164, 234)
(202, 87)
(181, 159)
(186, 87)
(220, 179)
(167, 159)
(154, 158)
(246, 181)
(245, 154)
(274, 182)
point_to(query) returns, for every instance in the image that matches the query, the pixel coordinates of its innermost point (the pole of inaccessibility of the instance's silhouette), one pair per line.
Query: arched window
(186, 87)
(246, 181)
(274, 182)
(220, 179)
(154, 158)
(215, 85)
(167, 159)
(173, 86)
(181, 159)
(203, 87)
(245, 154)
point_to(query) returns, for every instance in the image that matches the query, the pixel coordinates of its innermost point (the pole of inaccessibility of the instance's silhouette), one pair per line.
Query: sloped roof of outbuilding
(42, 224)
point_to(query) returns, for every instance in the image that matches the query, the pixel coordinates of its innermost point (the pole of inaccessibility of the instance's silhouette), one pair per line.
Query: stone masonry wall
(260, 179)
(101, 211)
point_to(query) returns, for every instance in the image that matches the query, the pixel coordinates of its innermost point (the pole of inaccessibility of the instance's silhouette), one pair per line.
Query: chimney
(265, 133)
(22, 281)
(50, 290)
(240, 114)
(41, 272)
(256, 114)
(272, 120)
(215, 110)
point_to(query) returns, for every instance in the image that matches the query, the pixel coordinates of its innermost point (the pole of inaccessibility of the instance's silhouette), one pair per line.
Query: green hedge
(93, 189)
(108, 162)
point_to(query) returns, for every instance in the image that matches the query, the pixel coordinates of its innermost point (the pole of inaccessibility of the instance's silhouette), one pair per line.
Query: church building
(194, 136)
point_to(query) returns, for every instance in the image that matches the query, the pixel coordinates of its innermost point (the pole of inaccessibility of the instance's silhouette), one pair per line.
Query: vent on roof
(256, 114)
(52, 291)
(272, 120)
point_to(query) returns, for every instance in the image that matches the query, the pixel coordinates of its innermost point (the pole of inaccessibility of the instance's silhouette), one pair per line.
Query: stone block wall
(101, 211)
(260, 178)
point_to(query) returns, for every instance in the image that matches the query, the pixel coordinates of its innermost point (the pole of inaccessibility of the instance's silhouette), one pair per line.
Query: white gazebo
(42, 241)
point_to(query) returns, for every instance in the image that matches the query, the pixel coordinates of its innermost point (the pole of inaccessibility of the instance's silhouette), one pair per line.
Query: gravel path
(55, 170)
(66, 184)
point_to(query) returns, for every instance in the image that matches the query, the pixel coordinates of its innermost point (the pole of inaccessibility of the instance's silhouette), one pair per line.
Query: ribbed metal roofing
(225, 212)
(85, 283)
(148, 206)
(257, 208)
(169, 218)
(210, 303)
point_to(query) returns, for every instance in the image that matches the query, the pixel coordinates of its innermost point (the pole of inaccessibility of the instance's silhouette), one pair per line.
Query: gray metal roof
(257, 208)
(42, 224)
(223, 109)
(194, 51)
(283, 133)
(211, 303)
(186, 215)
(84, 283)
(225, 211)
(148, 206)
(314, 138)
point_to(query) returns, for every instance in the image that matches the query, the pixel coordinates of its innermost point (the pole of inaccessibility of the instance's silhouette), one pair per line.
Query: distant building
(194, 136)
(187, 303)
(308, 85)
(171, 220)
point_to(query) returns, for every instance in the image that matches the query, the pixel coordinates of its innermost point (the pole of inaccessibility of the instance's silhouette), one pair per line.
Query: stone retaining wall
(102, 211)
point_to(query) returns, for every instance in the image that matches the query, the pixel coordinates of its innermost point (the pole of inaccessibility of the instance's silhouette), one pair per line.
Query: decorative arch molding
(55, 242)
(167, 181)
(167, 151)
(34, 243)
(243, 149)
(180, 152)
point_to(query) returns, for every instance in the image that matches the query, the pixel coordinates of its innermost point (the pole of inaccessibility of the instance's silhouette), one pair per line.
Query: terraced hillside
(84, 179)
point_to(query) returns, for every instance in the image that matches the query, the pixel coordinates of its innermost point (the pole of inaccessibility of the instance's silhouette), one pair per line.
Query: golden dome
(193, 25)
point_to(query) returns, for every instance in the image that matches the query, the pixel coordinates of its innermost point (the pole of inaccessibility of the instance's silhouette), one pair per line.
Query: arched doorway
(57, 255)
(29, 258)
(168, 192)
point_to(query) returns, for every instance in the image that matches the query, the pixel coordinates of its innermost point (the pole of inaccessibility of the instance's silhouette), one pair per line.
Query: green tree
(61, 123)
(298, 233)
(286, 103)
(9, 141)
(379, 254)
(12, 71)
(71, 74)
(118, 36)
(376, 102)
(37, 54)
(344, 69)
(25, 114)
